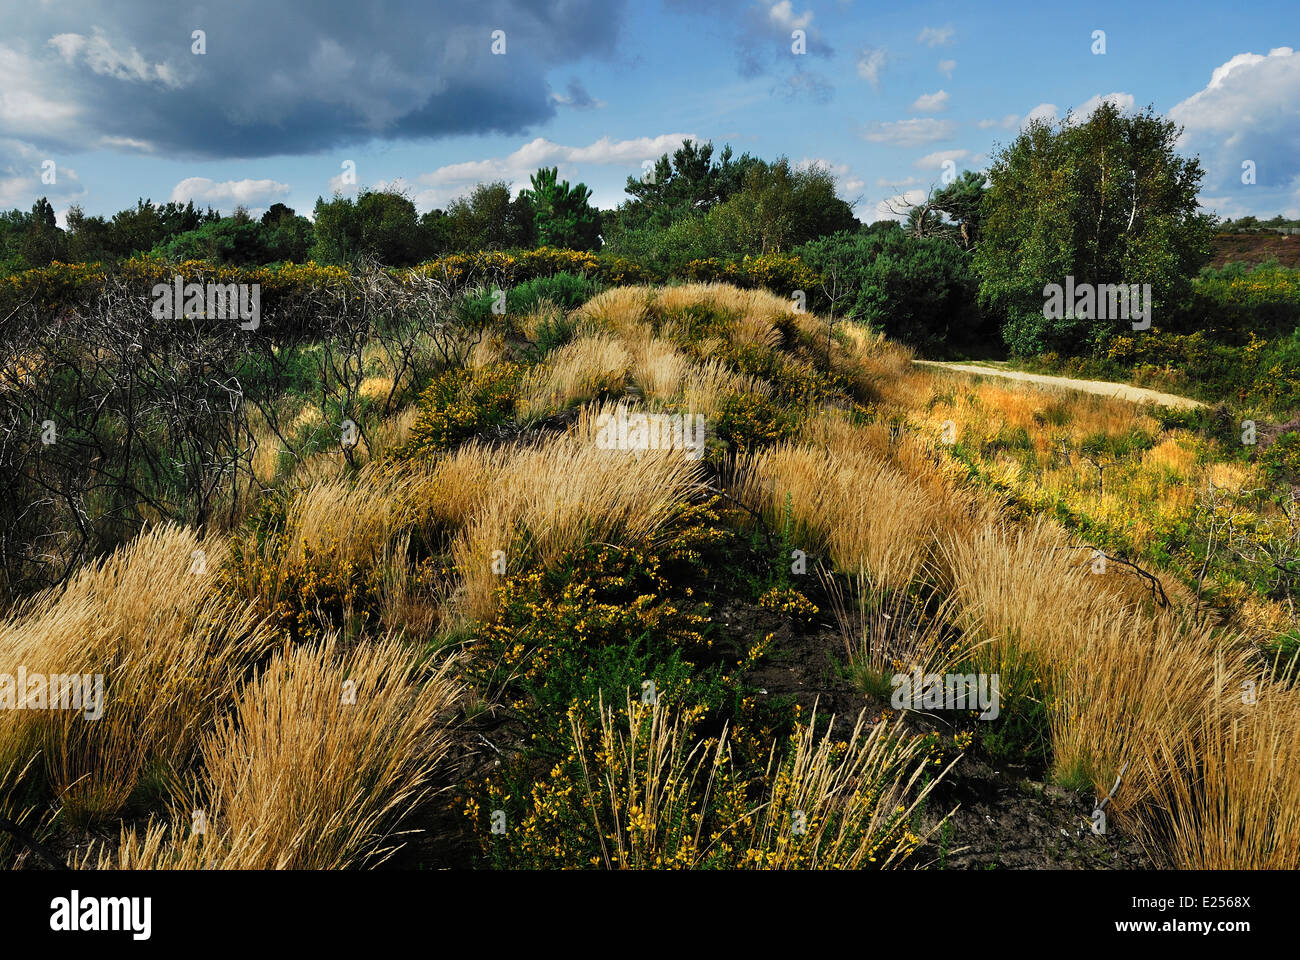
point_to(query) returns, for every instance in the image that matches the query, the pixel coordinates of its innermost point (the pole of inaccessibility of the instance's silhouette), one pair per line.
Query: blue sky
(411, 93)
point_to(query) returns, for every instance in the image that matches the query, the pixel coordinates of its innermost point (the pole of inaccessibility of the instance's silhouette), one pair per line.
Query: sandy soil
(1120, 391)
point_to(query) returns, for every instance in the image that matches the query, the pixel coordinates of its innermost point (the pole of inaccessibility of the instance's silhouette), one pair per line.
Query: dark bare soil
(1256, 248)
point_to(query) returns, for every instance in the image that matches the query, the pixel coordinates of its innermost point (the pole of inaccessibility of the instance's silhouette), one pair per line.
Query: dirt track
(1119, 391)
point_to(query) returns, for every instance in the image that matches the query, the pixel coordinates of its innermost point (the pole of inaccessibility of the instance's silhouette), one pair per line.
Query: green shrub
(566, 290)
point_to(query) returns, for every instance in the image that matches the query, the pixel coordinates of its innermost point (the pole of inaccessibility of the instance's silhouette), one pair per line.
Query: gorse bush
(1261, 374)
(461, 403)
(1238, 302)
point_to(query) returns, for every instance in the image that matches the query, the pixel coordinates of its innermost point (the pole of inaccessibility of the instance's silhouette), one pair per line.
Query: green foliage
(688, 183)
(962, 203)
(1281, 461)
(562, 214)
(377, 225)
(605, 621)
(1262, 374)
(746, 209)
(920, 290)
(565, 290)
(1231, 303)
(488, 219)
(234, 240)
(1105, 201)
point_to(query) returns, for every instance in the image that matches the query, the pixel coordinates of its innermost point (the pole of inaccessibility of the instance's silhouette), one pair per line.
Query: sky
(253, 103)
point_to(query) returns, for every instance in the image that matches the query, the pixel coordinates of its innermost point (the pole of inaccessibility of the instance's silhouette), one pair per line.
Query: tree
(379, 225)
(488, 219)
(778, 207)
(43, 241)
(230, 240)
(961, 202)
(436, 233)
(689, 182)
(286, 237)
(920, 290)
(136, 231)
(562, 214)
(1106, 201)
(89, 238)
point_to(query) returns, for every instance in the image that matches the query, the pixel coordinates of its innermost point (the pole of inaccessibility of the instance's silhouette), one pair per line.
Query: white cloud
(1006, 123)
(25, 110)
(871, 61)
(228, 194)
(1249, 110)
(934, 161)
(782, 16)
(946, 67)
(126, 144)
(1044, 111)
(895, 207)
(936, 36)
(896, 183)
(916, 132)
(1124, 101)
(98, 53)
(931, 102)
(21, 168)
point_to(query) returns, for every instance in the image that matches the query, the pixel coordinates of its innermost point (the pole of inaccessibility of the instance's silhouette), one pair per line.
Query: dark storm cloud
(288, 77)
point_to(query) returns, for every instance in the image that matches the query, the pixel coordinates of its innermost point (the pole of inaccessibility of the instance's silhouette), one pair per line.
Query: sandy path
(1119, 391)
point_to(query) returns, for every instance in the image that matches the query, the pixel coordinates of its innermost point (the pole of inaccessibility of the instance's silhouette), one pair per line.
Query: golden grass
(707, 386)
(553, 496)
(658, 368)
(864, 514)
(618, 310)
(1226, 794)
(354, 520)
(324, 753)
(577, 371)
(171, 646)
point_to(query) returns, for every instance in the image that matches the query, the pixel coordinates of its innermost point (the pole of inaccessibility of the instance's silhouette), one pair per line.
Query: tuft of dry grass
(578, 371)
(324, 754)
(170, 645)
(549, 497)
(866, 515)
(831, 804)
(889, 633)
(857, 797)
(1226, 795)
(658, 368)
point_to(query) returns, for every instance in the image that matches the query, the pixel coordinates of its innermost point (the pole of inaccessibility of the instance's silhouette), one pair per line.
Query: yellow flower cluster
(789, 601)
